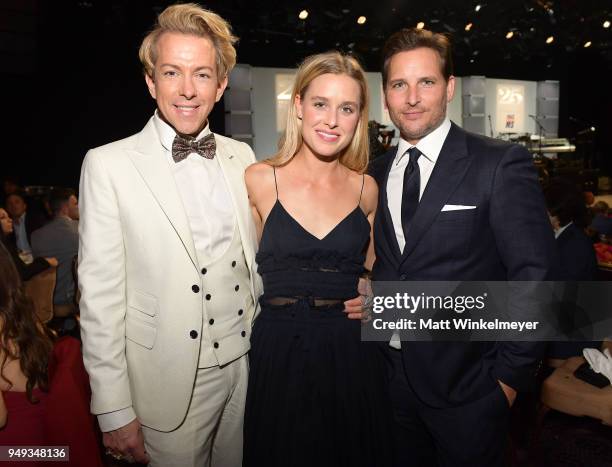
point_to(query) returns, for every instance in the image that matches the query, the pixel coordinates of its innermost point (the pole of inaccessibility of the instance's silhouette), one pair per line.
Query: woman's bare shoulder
(259, 180)
(370, 184)
(259, 169)
(258, 173)
(369, 197)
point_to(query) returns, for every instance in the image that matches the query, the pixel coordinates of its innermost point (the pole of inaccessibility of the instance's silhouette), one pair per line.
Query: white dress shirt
(560, 230)
(21, 235)
(205, 195)
(430, 147)
(209, 209)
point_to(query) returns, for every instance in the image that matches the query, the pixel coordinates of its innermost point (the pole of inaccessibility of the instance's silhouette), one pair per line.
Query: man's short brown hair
(60, 197)
(411, 38)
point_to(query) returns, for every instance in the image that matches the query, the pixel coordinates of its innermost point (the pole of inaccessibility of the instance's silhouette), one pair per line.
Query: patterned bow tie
(182, 146)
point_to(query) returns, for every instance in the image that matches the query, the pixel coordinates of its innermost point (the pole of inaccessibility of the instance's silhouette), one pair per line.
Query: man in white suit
(166, 262)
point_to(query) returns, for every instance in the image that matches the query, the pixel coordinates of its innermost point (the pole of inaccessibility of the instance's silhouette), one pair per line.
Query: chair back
(40, 290)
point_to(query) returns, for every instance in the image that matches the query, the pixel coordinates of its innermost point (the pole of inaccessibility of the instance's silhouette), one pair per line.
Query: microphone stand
(540, 133)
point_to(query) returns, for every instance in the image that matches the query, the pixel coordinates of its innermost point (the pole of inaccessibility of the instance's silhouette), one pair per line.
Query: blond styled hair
(356, 155)
(192, 19)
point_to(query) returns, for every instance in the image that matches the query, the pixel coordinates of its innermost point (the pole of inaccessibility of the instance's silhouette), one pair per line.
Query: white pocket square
(456, 207)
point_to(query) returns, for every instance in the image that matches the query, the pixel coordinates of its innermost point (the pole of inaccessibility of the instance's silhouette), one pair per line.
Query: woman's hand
(360, 307)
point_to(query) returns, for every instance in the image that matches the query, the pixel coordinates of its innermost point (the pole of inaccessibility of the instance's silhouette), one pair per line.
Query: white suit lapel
(233, 171)
(149, 160)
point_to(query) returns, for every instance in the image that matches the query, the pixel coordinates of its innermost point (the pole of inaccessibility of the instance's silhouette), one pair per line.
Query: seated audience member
(569, 217)
(60, 239)
(7, 238)
(578, 262)
(600, 207)
(9, 185)
(25, 220)
(25, 350)
(44, 393)
(601, 223)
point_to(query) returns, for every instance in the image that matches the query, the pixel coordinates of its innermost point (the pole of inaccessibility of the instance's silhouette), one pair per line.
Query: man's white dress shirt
(430, 147)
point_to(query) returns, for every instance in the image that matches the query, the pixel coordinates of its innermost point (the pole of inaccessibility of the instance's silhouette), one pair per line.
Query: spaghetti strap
(275, 184)
(362, 184)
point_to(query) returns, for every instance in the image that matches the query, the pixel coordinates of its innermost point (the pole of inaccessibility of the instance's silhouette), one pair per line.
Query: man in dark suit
(26, 219)
(453, 206)
(60, 239)
(577, 260)
(569, 216)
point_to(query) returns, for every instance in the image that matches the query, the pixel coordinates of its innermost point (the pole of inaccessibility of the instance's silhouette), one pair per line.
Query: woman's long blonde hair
(356, 155)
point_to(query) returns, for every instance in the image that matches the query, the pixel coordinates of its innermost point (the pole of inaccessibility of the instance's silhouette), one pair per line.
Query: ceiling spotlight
(303, 14)
(361, 20)
(606, 24)
(468, 26)
(477, 7)
(510, 34)
(420, 25)
(587, 44)
(550, 40)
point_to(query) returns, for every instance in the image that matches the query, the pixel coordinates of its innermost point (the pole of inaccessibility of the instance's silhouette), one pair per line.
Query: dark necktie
(411, 188)
(182, 146)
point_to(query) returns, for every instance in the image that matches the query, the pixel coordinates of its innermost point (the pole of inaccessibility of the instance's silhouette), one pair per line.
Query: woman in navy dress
(317, 395)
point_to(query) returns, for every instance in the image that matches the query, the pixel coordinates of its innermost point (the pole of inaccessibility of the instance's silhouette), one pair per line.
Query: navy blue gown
(317, 395)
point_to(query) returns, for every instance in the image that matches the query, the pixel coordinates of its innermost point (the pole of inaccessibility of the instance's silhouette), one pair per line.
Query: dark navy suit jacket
(578, 262)
(507, 237)
(576, 255)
